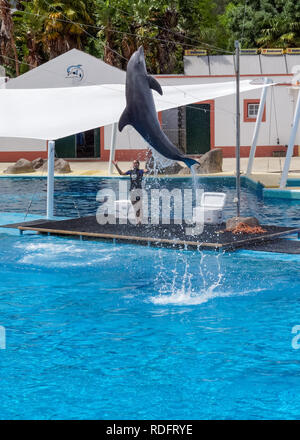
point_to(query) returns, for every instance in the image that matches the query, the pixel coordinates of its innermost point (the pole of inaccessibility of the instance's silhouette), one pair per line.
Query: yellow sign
(293, 50)
(195, 52)
(272, 51)
(249, 51)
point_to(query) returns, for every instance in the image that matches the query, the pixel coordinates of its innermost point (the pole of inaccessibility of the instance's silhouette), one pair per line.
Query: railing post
(290, 150)
(257, 126)
(50, 179)
(112, 146)
(238, 136)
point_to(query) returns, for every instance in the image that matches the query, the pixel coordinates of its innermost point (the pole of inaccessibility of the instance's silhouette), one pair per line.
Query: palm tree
(7, 38)
(61, 29)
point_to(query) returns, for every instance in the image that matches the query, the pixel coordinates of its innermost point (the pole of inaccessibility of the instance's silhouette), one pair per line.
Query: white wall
(273, 64)
(128, 139)
(196, 65)
(225, 122)
(54, 73)
(222, 65)
(20, 144)
(249, 64)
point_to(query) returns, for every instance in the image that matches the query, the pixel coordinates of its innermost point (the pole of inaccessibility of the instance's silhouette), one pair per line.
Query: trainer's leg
(137, 202)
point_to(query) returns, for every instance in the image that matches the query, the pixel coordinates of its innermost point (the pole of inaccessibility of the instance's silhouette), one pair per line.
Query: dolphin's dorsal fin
(124, 119)
(154, 84)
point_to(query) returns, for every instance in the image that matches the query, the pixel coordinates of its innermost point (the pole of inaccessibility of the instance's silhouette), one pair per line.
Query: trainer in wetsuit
(136, 177)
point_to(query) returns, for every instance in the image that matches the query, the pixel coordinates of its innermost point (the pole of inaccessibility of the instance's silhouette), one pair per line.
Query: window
(252, 110)
(251, 107)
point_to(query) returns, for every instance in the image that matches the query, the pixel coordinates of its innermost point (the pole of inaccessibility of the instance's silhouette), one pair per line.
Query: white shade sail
(51, 114)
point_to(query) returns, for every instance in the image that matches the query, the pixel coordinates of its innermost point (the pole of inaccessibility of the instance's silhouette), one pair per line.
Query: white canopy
(51, 114)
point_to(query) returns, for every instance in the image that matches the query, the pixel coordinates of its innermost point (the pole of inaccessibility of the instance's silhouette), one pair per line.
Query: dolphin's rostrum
(140, 109)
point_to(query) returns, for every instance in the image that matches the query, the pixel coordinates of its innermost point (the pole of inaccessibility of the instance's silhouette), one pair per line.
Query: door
(82, 145)
(66, 147)
(197, 128)
(85, 144)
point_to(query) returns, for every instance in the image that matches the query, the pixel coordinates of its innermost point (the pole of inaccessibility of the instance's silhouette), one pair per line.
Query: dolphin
(140, 109)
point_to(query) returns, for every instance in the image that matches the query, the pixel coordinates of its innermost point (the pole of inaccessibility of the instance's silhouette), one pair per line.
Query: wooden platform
(173, 235)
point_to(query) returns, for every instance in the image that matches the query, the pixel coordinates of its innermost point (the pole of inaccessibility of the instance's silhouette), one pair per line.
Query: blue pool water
(103, 331)
(77, 197)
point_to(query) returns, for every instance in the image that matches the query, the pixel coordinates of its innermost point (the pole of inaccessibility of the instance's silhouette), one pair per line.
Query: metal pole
(290, 150)
(50, 179)
(257, 126)
(238, 141)
(112, 146)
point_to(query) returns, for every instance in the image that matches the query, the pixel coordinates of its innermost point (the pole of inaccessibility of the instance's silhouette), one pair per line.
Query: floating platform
(213, 237)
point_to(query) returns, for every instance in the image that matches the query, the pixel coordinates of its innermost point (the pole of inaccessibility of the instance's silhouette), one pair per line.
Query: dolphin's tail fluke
(190, 162)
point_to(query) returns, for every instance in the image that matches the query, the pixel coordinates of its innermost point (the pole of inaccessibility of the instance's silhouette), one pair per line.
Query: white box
(211, 209)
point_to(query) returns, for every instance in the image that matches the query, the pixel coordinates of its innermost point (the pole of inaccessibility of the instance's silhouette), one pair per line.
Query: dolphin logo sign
(75, 72)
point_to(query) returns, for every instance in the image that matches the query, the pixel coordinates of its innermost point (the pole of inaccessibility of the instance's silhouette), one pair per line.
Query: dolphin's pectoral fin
(154, 84)
(124, 119)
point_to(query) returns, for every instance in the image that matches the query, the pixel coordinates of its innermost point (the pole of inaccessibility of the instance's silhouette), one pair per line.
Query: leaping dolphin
(140, 109)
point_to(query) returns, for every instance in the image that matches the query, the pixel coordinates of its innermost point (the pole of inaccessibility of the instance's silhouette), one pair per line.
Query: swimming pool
(102, 331)
(77, 197)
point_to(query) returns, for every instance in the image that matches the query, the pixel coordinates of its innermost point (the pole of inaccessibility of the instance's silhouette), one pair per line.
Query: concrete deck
(266, 170)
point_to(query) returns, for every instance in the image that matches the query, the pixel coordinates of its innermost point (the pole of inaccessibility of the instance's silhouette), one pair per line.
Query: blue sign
(75, 72)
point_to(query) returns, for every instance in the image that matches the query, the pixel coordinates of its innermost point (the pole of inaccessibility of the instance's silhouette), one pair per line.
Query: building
(278, 112)
(195, 129)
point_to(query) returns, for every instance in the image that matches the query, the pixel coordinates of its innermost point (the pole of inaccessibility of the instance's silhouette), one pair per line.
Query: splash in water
(182, 287)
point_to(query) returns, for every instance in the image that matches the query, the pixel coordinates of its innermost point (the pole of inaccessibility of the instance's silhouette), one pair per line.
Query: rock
(185, 170)
(61, 166)
(21, 166)
(174, 168)
(38, 163)
(233, 222)
(210, 162)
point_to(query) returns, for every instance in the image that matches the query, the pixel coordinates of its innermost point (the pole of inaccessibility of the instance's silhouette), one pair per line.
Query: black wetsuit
(136, 177)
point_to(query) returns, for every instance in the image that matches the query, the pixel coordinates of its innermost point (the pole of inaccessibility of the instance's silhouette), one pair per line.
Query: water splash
(159, 161)
(194, 177)
(182, 287)
(189, 283)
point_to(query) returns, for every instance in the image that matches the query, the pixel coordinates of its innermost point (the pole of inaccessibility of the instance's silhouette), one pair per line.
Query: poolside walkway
(266, 170)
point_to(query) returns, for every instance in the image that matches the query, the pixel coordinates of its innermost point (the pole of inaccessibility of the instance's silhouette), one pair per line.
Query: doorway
(85, 144)
(198, 128)
(81, 145)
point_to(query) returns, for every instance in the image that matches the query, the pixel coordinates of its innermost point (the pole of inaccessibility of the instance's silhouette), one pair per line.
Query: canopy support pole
(50, 179)
(290, 149)
(112, 146)
(238, 134)
(257, 126)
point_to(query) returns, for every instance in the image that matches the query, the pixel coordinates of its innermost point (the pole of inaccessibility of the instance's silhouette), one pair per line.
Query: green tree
(47, 29)
(7, 35)
(164, 28)
(263, 23)
(113, 29)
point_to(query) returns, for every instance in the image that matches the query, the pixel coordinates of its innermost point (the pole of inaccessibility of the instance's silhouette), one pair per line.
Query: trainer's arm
(118, 168)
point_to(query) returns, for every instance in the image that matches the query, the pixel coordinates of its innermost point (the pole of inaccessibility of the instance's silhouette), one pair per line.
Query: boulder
(61, 166)
(210, 162)
(185, 170)
(38, 163)
(233, 222)
(174, 168)
(21, 166)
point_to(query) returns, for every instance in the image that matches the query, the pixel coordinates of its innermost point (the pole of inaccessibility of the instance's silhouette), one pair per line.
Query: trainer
(136, 178)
